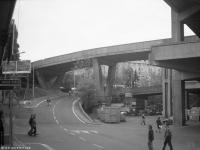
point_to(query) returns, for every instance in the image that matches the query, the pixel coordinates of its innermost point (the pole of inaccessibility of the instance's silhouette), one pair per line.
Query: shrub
(86, 91)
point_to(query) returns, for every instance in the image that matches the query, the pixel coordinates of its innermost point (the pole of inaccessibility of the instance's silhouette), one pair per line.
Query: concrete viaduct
(179, 55)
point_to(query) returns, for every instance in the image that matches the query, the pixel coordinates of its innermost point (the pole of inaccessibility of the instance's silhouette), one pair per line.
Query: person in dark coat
(168, 137)
(150, 137)
(32, 123)
(143, 122)
(159, 124)
(1, 129)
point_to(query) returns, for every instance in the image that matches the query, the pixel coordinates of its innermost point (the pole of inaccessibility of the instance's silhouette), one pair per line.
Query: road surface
(60, 129)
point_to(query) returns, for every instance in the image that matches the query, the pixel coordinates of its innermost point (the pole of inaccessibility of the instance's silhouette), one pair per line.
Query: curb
(81, 113)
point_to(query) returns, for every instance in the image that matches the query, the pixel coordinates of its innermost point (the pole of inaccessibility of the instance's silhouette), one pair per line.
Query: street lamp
(74, 80)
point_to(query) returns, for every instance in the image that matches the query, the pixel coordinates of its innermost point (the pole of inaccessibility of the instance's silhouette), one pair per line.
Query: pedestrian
(168, 137)
(48, 102)
(143, 122)
(159, 124)
(1, 129)
(32, 123)
(150, 137)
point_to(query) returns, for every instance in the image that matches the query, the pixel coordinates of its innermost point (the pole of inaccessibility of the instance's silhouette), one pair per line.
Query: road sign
(16, 67)
(9, 84)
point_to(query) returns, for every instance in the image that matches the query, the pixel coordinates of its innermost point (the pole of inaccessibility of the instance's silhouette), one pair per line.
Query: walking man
(168, 137)
(143, 120)
(150, 137)
(158, 123)
(48, 102)
(32, 123)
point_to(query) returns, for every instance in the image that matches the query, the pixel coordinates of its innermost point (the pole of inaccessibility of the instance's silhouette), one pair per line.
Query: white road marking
(57, 121)
(76, 131)
(94, 131)
(75, 113)
(82, 139)
(85, 131)
(71, 133)
(54, 116)
(53, 110)
(39, 103)
(66, 129)
(98, 146)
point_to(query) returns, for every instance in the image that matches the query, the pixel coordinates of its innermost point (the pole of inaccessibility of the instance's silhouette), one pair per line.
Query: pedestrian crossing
(82, 131)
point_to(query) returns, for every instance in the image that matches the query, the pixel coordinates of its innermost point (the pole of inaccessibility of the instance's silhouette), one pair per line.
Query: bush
(86, 91)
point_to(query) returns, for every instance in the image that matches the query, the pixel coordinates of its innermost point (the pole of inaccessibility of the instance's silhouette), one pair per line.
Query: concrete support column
(52, 82)
(111, 79)
(177, 27)
(57, 81)
(41, 80)
(167, 92)
(178, 99)
(97, 76)
(178, 83)
(187, 105)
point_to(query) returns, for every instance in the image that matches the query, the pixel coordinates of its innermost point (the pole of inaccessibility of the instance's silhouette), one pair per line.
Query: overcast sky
(49, 28)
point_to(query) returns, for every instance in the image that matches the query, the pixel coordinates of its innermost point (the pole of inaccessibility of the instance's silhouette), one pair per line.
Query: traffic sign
(16, 67)
(9, 84)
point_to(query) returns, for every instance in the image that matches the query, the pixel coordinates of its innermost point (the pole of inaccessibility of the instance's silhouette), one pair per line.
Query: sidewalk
(183, 138)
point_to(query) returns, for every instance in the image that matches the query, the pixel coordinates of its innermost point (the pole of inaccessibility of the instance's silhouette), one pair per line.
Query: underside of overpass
(181, 59)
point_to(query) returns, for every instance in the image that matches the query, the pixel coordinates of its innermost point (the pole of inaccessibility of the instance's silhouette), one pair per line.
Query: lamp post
(33, 84)
(74, 80)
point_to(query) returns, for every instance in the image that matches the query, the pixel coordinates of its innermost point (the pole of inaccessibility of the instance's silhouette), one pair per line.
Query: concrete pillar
(52, 82)
(41, 80)
(178, 99)
(177, 27)
(97, 76)
(178, 88)
(187, 105)
(111, 79)
(57, 81)
(167, 92)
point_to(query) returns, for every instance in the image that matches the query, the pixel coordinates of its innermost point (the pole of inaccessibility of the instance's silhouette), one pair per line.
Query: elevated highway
(179, 55)
(106, 55)
(50, 70)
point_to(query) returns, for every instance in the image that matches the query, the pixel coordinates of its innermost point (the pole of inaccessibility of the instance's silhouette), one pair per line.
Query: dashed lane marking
(57, 121)
(94, 131)
(71, 133)
(76, 131)
(82, 139)
(85, 131)
(101, 147)
(66, 129)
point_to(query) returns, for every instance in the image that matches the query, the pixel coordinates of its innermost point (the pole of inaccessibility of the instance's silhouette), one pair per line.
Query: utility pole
(74, 80)
(11, 94)
(33, 86)
(10, 118)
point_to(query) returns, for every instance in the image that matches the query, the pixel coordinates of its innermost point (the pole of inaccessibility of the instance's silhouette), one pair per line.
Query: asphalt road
(60, 129)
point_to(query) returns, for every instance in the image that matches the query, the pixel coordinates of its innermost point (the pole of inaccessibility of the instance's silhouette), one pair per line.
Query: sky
(48, 28)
